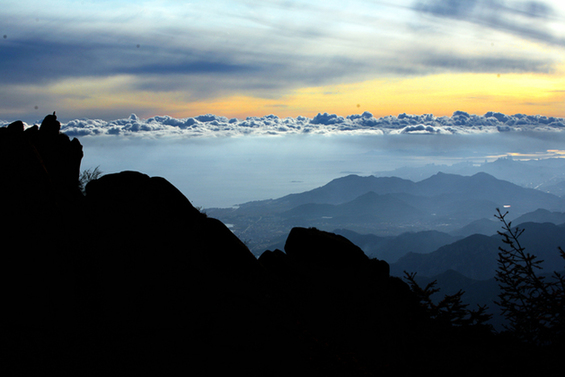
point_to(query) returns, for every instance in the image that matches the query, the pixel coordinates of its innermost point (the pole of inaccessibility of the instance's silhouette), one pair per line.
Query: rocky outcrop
(343, 296)
(312, 246)
(157, 258)
(40, 160)
(40, 221)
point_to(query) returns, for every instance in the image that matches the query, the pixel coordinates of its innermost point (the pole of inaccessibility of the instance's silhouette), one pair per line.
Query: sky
(108, 59)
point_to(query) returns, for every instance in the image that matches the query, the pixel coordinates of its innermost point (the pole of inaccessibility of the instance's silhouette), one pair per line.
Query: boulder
(319, 248)
(157, 258)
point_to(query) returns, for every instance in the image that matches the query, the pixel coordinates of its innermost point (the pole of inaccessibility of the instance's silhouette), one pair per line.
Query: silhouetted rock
(17, 126)
(154, 252)
(343, 297)
(316, 247)
(277, 262)
(39, 162)
(131, 271)
(50, 125)
(41, 216)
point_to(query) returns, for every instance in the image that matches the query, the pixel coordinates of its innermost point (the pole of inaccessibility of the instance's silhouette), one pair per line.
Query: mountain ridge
(443, 202)
(347, 188)
(540, 174)
(476, 256)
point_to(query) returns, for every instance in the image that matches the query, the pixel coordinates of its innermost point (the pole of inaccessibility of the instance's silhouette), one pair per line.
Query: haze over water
(221, 172)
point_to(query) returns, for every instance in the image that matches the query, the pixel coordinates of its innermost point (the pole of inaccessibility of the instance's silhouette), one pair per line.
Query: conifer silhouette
(533, 305)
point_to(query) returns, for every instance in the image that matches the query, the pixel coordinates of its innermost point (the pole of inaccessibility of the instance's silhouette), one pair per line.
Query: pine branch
(450, 310)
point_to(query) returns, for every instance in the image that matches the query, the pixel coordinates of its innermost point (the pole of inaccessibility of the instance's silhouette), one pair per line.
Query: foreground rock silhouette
(131, 279)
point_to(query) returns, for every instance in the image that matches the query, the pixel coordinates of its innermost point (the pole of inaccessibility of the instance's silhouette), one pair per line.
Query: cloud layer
(209, 125)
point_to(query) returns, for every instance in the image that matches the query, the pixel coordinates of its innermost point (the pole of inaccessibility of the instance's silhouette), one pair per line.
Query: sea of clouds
(460, 123)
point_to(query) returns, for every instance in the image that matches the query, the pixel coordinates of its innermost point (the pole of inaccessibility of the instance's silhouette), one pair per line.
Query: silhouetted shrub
(87, 176)
(450, 310)
(533, 305)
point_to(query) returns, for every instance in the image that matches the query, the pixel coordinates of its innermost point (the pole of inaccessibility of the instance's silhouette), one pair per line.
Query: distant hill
(394, 247)
(437, 189)
(388, 206)
(369, 207)
(542, 216)
(483, 226)
(485, 187)
(542, 174)
(338, 191)
(473, 257)
(476, 256)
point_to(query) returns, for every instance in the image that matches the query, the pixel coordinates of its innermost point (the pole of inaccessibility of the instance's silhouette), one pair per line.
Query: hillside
(392, 248)
(476, 256)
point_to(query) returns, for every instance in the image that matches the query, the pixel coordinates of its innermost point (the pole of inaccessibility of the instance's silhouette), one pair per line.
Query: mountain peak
(483, 175)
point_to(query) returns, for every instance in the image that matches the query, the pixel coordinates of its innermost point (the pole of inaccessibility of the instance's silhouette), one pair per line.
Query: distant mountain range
(475, 256)
(391, 248)
(389, 206)
(543, 174)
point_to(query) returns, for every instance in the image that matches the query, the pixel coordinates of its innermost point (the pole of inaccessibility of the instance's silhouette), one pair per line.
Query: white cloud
(210, 125)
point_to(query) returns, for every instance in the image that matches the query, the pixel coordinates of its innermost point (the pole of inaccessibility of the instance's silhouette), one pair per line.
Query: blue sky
(108, 59)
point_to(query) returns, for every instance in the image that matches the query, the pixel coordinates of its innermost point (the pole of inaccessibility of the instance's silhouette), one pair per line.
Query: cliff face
(130, 277)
